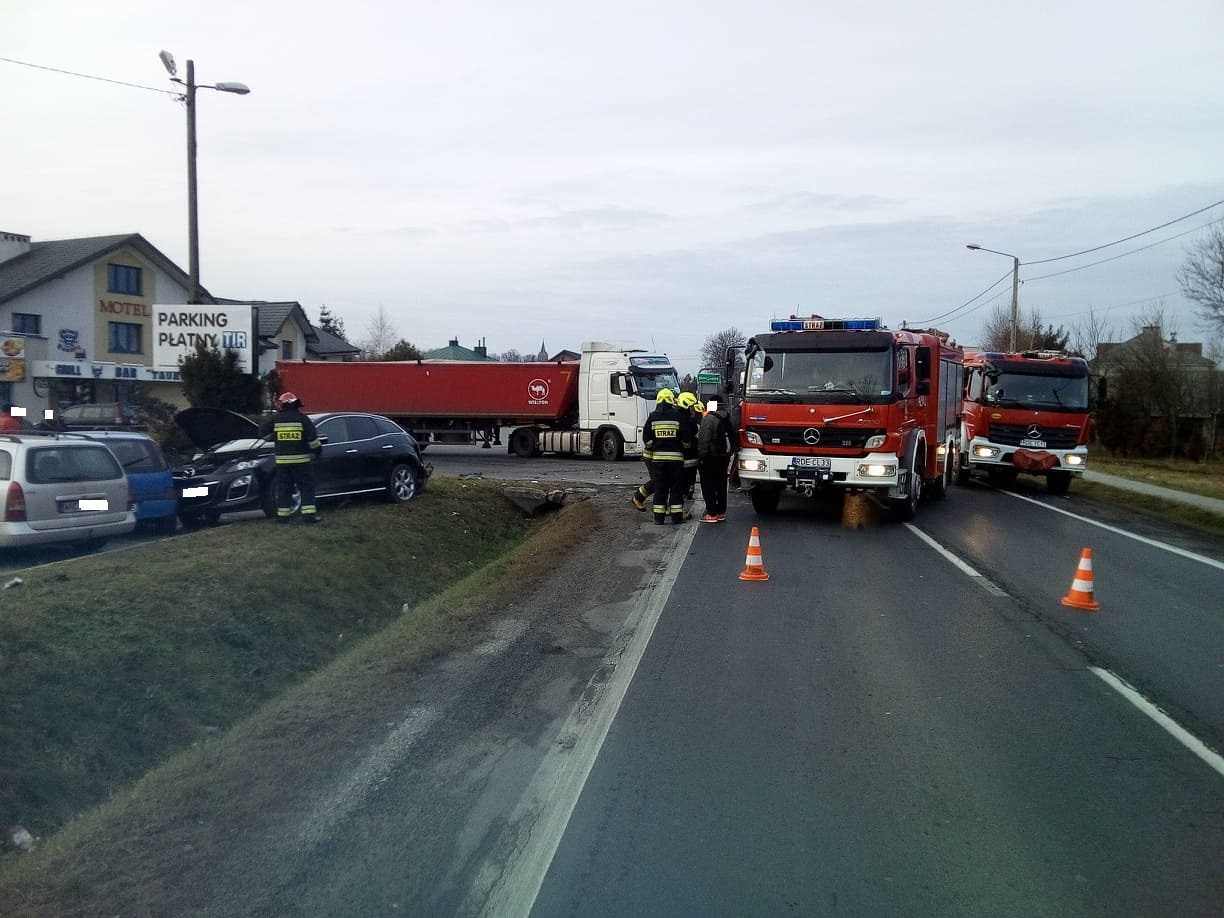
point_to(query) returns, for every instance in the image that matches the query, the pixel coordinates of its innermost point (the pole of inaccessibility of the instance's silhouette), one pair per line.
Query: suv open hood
(209, 427)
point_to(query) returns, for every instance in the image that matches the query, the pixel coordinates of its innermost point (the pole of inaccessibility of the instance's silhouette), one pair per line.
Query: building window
(26, 323)
(124, 338)
(123, 279)
(286, 350)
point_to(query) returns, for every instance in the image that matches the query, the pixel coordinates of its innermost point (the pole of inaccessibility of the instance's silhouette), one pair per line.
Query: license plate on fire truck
(810, 462)
(1039, 444)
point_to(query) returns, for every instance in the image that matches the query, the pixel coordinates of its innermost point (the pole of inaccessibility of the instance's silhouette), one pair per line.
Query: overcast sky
(570, 171)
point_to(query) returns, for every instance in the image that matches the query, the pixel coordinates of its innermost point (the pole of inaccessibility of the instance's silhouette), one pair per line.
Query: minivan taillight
(14, 504)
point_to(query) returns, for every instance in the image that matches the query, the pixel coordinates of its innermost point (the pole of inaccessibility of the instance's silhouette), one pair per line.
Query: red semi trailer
(592, 406)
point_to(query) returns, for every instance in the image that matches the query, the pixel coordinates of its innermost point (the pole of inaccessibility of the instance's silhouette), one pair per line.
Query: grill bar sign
(178, 329)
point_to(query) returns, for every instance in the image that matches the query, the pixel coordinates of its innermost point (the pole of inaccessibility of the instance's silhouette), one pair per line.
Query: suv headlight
(243, 465)
(754, 438)
(874, 442)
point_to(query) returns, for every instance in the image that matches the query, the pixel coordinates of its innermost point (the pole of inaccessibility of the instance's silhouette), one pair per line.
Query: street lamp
(1015, 309)
(193, 223)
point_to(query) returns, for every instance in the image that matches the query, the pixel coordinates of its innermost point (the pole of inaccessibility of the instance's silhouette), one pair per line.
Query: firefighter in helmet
(687, 403)
(643, 492)
(666, 434)
(297, 445)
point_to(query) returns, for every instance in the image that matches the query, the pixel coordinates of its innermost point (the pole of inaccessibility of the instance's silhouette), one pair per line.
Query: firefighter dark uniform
(665, 434)
(296, 443)
(643, 492)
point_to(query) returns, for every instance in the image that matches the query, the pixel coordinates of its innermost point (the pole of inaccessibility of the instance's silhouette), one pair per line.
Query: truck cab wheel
(765, 500)
(939, 486)
(906, 508)
(962, 472)
(524, 442)
(609, 446)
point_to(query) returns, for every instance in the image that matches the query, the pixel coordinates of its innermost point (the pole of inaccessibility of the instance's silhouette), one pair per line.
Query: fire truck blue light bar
(793, 324)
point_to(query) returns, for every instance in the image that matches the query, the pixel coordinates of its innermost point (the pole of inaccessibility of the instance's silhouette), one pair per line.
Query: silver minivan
(60, 489)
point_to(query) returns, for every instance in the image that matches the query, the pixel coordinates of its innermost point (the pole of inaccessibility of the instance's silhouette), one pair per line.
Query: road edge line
(981, 579)
(558, 782)
(1212, 758)
(1202, 559)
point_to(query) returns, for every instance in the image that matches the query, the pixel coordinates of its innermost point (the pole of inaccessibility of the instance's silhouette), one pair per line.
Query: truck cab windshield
(863, 377)
(649, 382)
(1049, 393)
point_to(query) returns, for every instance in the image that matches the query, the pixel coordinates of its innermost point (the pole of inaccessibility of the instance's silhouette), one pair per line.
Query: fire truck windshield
(821, 376)
(1049, 393)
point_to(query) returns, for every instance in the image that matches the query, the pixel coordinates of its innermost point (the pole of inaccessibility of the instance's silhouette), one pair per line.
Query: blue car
(150, 481)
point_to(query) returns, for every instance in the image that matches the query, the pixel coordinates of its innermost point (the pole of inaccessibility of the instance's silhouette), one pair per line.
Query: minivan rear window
(6, 465)
(49, 464)
(137, 455)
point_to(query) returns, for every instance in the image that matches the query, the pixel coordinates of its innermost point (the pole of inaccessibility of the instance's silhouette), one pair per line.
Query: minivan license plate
(810, 462)
(1040, 444)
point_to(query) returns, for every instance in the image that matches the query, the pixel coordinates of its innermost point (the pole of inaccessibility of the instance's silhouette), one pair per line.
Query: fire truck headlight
(753, 465)
(1073, 459)
(874, 442)
(754, 438)
(876, 470)
(985, 452)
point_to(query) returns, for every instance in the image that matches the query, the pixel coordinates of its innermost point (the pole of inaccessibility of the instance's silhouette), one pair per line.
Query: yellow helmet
(686, 400)
(699, 407)
(665, 397)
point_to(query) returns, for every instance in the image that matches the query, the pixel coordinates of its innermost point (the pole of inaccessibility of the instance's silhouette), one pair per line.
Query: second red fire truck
(849, 404)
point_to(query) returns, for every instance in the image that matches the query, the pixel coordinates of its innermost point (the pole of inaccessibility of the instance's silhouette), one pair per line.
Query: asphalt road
(875, 732)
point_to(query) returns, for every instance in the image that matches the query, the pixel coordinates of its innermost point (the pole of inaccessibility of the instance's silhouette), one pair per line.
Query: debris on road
(534, 501)
(20, 838)
(15, 582)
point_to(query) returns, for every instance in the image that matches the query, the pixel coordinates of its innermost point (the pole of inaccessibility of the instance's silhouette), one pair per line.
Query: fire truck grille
(829, 437)
(1012, 434)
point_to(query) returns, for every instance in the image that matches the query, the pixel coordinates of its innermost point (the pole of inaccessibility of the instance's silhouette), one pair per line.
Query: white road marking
(1202, 559)
(1176, 730)
(544, 810)
(983, 581)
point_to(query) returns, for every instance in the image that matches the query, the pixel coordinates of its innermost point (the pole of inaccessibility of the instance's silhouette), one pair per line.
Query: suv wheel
(268, 503)
(402, 486)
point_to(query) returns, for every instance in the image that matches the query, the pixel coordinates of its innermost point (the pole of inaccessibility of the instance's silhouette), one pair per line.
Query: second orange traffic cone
(754, 567)
(1080, 596)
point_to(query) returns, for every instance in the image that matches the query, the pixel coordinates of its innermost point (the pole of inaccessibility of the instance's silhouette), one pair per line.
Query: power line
(1104, 309)
(89, 76)
(945, 315)
(1098, 248)
(1142, 248)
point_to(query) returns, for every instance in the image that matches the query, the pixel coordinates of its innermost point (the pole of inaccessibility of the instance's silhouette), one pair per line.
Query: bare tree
(714, 351)
(381, 334)
(1153, 375)
(511, 356)
(1089, 332)
(1032, 333)
(1201, 277)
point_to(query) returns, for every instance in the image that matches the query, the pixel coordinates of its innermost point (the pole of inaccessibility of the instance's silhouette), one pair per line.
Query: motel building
(76, 323)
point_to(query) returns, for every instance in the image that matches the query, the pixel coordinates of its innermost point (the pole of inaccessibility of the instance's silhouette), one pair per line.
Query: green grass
(1155, 507)
(113, 662)
(1205, 478)
(182, 834)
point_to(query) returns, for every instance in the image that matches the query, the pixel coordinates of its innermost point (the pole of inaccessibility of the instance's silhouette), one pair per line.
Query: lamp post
(193, 223)
(1015, 307)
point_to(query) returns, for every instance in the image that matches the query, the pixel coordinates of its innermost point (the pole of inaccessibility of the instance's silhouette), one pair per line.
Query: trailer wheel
(610, 447)
(524, 443)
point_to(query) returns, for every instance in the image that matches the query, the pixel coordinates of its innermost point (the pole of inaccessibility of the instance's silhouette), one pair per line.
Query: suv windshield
(821, 376)
(1052, 393)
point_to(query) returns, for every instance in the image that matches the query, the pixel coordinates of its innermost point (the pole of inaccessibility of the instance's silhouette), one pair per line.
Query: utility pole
(193, 217)
(1015, 317)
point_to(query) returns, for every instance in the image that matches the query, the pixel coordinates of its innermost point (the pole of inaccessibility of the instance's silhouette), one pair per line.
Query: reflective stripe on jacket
(294, 437)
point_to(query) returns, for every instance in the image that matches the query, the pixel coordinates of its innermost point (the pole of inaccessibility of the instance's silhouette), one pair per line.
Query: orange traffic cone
(754, 568)
(1080, 594)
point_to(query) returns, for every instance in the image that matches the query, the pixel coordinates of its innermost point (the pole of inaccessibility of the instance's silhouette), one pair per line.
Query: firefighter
(297, 444)
(643, 492)
(663, 435)
(687, 403)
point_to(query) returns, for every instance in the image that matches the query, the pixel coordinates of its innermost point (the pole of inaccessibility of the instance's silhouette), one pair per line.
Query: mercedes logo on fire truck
(811, 436)
(1034, 432)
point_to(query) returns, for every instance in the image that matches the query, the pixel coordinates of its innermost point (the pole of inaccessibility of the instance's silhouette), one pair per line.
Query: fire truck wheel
(1058, 482)
(907, 507)
(962, 471)
(940, 486)
(765, 500)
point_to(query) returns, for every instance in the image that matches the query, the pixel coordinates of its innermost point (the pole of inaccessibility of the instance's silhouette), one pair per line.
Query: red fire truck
(1025, 412)
(848, 404)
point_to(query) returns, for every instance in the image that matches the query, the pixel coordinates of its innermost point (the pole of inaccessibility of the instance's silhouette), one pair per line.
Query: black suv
(362, 454)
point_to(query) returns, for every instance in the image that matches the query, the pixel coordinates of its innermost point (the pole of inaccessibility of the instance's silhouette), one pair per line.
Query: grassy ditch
(111, 663)
(204, 827)
(1155, 507)
(1205, 478)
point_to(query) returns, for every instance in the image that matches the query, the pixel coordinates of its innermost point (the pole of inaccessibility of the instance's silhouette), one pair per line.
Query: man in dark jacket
(297, 443)
(714, 441)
